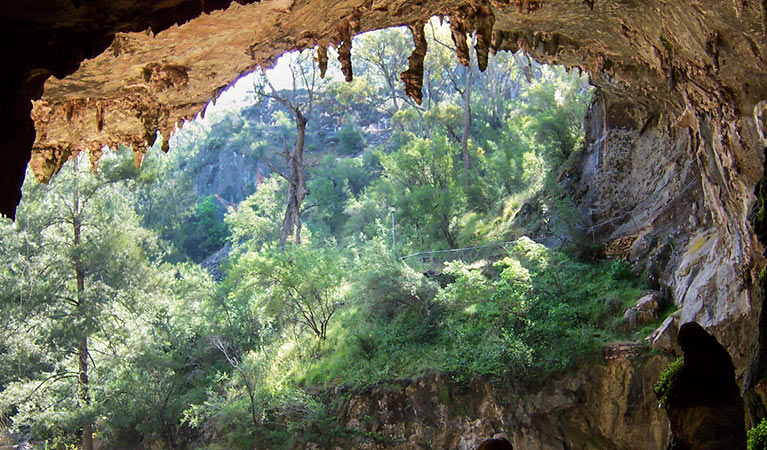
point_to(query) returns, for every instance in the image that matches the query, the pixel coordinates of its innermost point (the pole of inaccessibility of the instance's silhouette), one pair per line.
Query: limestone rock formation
(664, 338)
(609, 405)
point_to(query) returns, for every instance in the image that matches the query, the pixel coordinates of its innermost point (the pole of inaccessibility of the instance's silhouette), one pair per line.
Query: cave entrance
(302, 219)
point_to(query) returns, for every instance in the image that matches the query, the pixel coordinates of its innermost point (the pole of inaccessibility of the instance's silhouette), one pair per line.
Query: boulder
(664, 337)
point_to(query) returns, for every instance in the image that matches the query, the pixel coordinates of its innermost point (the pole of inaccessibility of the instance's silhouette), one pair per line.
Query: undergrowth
(664, 388)
(531, 314)
(757, 436)
(522, 318)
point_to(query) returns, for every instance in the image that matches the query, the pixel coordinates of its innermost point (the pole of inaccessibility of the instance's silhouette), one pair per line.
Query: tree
(298, 101)
(75, 261)
(461, 81)
(301, 286)
(255, 221)
(424, 188)
(381, 57)
(205, 231)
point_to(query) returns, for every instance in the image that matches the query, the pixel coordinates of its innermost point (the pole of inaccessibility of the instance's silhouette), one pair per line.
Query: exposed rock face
(642, 190)
(610, 405)
(228, 173)
(664, 337)
(704, 404)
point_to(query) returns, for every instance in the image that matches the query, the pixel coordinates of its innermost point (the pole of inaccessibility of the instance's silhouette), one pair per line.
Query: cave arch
(692, 72)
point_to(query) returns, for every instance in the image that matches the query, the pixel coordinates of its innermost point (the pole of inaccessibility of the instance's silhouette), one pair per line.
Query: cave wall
(51, 38)
(640, 190)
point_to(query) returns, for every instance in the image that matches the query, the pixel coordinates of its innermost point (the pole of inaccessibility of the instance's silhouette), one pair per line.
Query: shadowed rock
(496, 444)
(704, 404)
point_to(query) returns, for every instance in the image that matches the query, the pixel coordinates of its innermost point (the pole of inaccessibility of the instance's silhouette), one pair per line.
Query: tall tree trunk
(291, 224)
(82, 346)
(467, 162)
(85, 396)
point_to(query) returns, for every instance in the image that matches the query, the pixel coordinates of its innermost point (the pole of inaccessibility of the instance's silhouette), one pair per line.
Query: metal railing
(435, 260)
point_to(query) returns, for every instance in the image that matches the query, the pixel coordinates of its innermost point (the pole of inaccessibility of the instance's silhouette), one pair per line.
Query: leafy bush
(350, 140)
(757, 436)
(621, 270)
(664, 388)
(205, 231)
(389, 286)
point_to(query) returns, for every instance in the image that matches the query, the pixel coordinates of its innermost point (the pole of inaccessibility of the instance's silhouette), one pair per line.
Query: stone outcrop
(664, 337)
(608, 405)
(645, 311)
(642, 190)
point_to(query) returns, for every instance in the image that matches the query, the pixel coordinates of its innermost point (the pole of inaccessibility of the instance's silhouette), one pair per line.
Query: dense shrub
(757, 436)
(664, 388)
(388, 286)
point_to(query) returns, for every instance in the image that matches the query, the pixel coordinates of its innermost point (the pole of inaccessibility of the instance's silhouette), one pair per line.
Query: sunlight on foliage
(202, 332)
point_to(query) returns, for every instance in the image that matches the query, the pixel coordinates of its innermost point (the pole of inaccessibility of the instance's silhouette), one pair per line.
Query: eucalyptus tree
(298, 100)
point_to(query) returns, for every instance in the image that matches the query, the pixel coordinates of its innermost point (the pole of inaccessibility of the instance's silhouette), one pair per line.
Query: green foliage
(71, 294)
(664, 388)
(390, 287)
(757, 436)
(425, 190)
(620, 270)
(332, 185)
(255, 222)
(340, 309)
(300, 286)
(350, 140)
(204, 232)
(530, 315)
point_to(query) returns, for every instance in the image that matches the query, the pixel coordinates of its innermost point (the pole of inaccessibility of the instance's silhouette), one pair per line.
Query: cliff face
(643, 191)
(610, 405)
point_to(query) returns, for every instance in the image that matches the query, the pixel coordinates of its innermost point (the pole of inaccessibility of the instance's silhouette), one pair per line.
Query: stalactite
(459, 27)
(94, 156)
(465, 20)
(100, 116)
(138, 158)
(346, 31)
(413, 76)
(483, 23)
(322, 59)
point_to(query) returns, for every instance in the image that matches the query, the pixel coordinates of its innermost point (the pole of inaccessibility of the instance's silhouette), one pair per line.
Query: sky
(280, 76)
